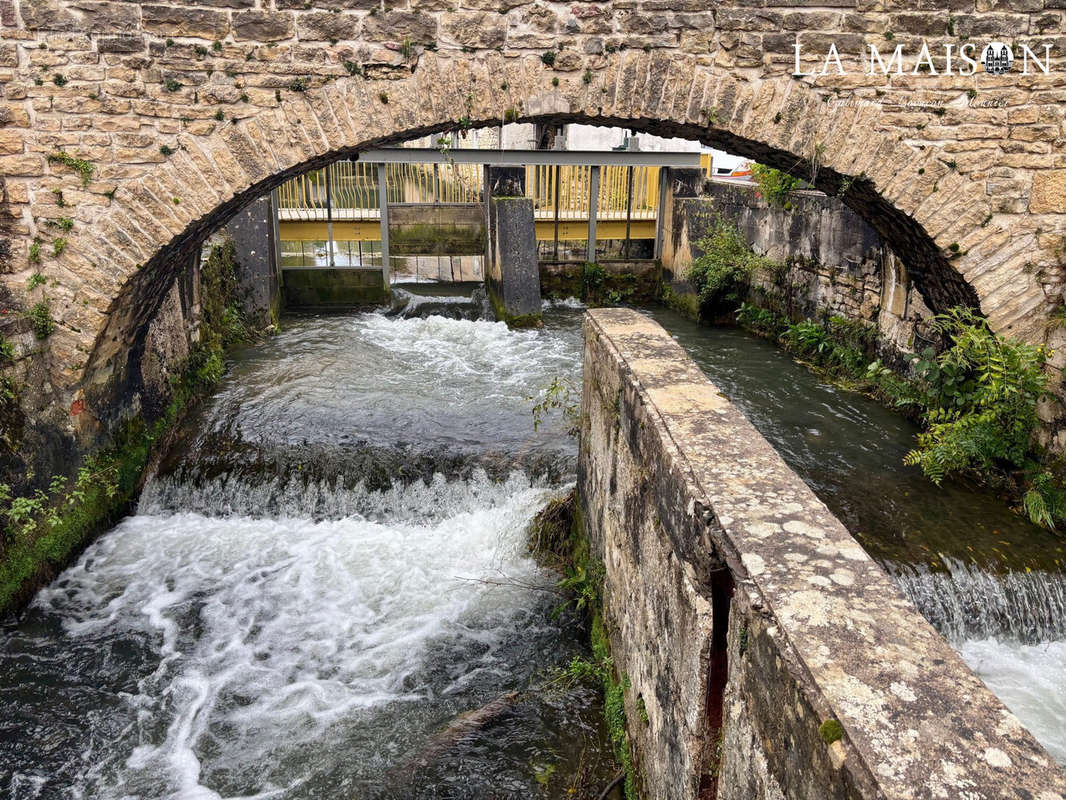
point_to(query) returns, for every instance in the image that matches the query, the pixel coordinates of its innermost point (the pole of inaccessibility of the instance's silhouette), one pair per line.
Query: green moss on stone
(830, 731)
(76, 508)
(513, 320)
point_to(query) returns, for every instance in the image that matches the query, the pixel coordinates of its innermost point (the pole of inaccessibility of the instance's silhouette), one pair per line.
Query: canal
(329, 572)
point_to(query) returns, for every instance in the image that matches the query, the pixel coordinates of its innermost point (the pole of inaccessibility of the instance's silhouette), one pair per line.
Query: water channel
(327, 573)
(329, 570)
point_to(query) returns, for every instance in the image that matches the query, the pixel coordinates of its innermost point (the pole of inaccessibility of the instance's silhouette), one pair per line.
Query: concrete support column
(513, 277)
(676, 183)
(499, 182)
(383, 204)
(252, 232)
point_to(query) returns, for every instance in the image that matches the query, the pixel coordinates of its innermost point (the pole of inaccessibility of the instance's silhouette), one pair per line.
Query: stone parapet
(766, 655)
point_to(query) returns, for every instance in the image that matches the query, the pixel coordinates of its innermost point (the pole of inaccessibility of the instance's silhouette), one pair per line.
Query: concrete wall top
(917, 722)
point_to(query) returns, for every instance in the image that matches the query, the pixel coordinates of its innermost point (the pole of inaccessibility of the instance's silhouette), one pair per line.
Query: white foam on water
(457, 350)
(270, 631)
(1030, 679)
(568, 302)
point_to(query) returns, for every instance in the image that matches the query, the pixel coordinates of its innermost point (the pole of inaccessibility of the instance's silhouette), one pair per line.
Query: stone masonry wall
(743, 616)
(835, 263)
(149, 124)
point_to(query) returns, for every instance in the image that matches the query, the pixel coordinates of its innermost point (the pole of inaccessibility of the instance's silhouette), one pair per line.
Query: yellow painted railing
(354, 188)
(574, 185)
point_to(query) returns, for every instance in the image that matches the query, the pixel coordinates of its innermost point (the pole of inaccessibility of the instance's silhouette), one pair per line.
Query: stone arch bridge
(129, 131)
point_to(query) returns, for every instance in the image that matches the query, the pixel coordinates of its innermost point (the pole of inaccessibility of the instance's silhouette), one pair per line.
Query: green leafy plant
(548, 58)
(760, 320)
(40, 317)
(59, 80)
(172, 84)
(83, 168)
(36, 279)
(58, 246)
(583, 584)
(722, 273)
(980, 396)
(560, 395)
(775, 186)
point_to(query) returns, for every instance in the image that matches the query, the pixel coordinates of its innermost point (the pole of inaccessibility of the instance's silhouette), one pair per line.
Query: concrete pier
(513, 276)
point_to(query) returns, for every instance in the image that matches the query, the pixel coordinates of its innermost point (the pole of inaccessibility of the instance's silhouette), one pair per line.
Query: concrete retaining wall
(744, 617)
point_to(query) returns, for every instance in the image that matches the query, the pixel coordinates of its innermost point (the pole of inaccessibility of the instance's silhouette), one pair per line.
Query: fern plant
(981, 395)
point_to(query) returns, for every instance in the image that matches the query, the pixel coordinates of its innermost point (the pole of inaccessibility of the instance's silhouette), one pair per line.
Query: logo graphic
(997, 58)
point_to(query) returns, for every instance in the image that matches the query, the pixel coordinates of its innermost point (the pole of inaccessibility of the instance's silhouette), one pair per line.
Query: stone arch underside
(934, 217)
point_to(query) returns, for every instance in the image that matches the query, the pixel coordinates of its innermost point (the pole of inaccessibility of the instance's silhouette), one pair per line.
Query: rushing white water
(1031, 681)
(1010, 627)
(967, 601)
(310, 639)
(274, 634)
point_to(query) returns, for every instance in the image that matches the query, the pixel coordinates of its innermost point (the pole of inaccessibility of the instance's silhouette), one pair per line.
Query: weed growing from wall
(722, 274)
(775, 186)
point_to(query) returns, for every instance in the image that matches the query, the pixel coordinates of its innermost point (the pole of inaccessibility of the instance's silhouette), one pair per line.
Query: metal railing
(572, 186)
(353, 189)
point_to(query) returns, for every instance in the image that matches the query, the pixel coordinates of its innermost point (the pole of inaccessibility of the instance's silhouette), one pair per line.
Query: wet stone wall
(765, 654)
(834, 262)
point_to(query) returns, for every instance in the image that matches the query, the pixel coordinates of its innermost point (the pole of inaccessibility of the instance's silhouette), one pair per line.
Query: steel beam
(329, 211)
(594, 201)
(660, 215)
(607, 158)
